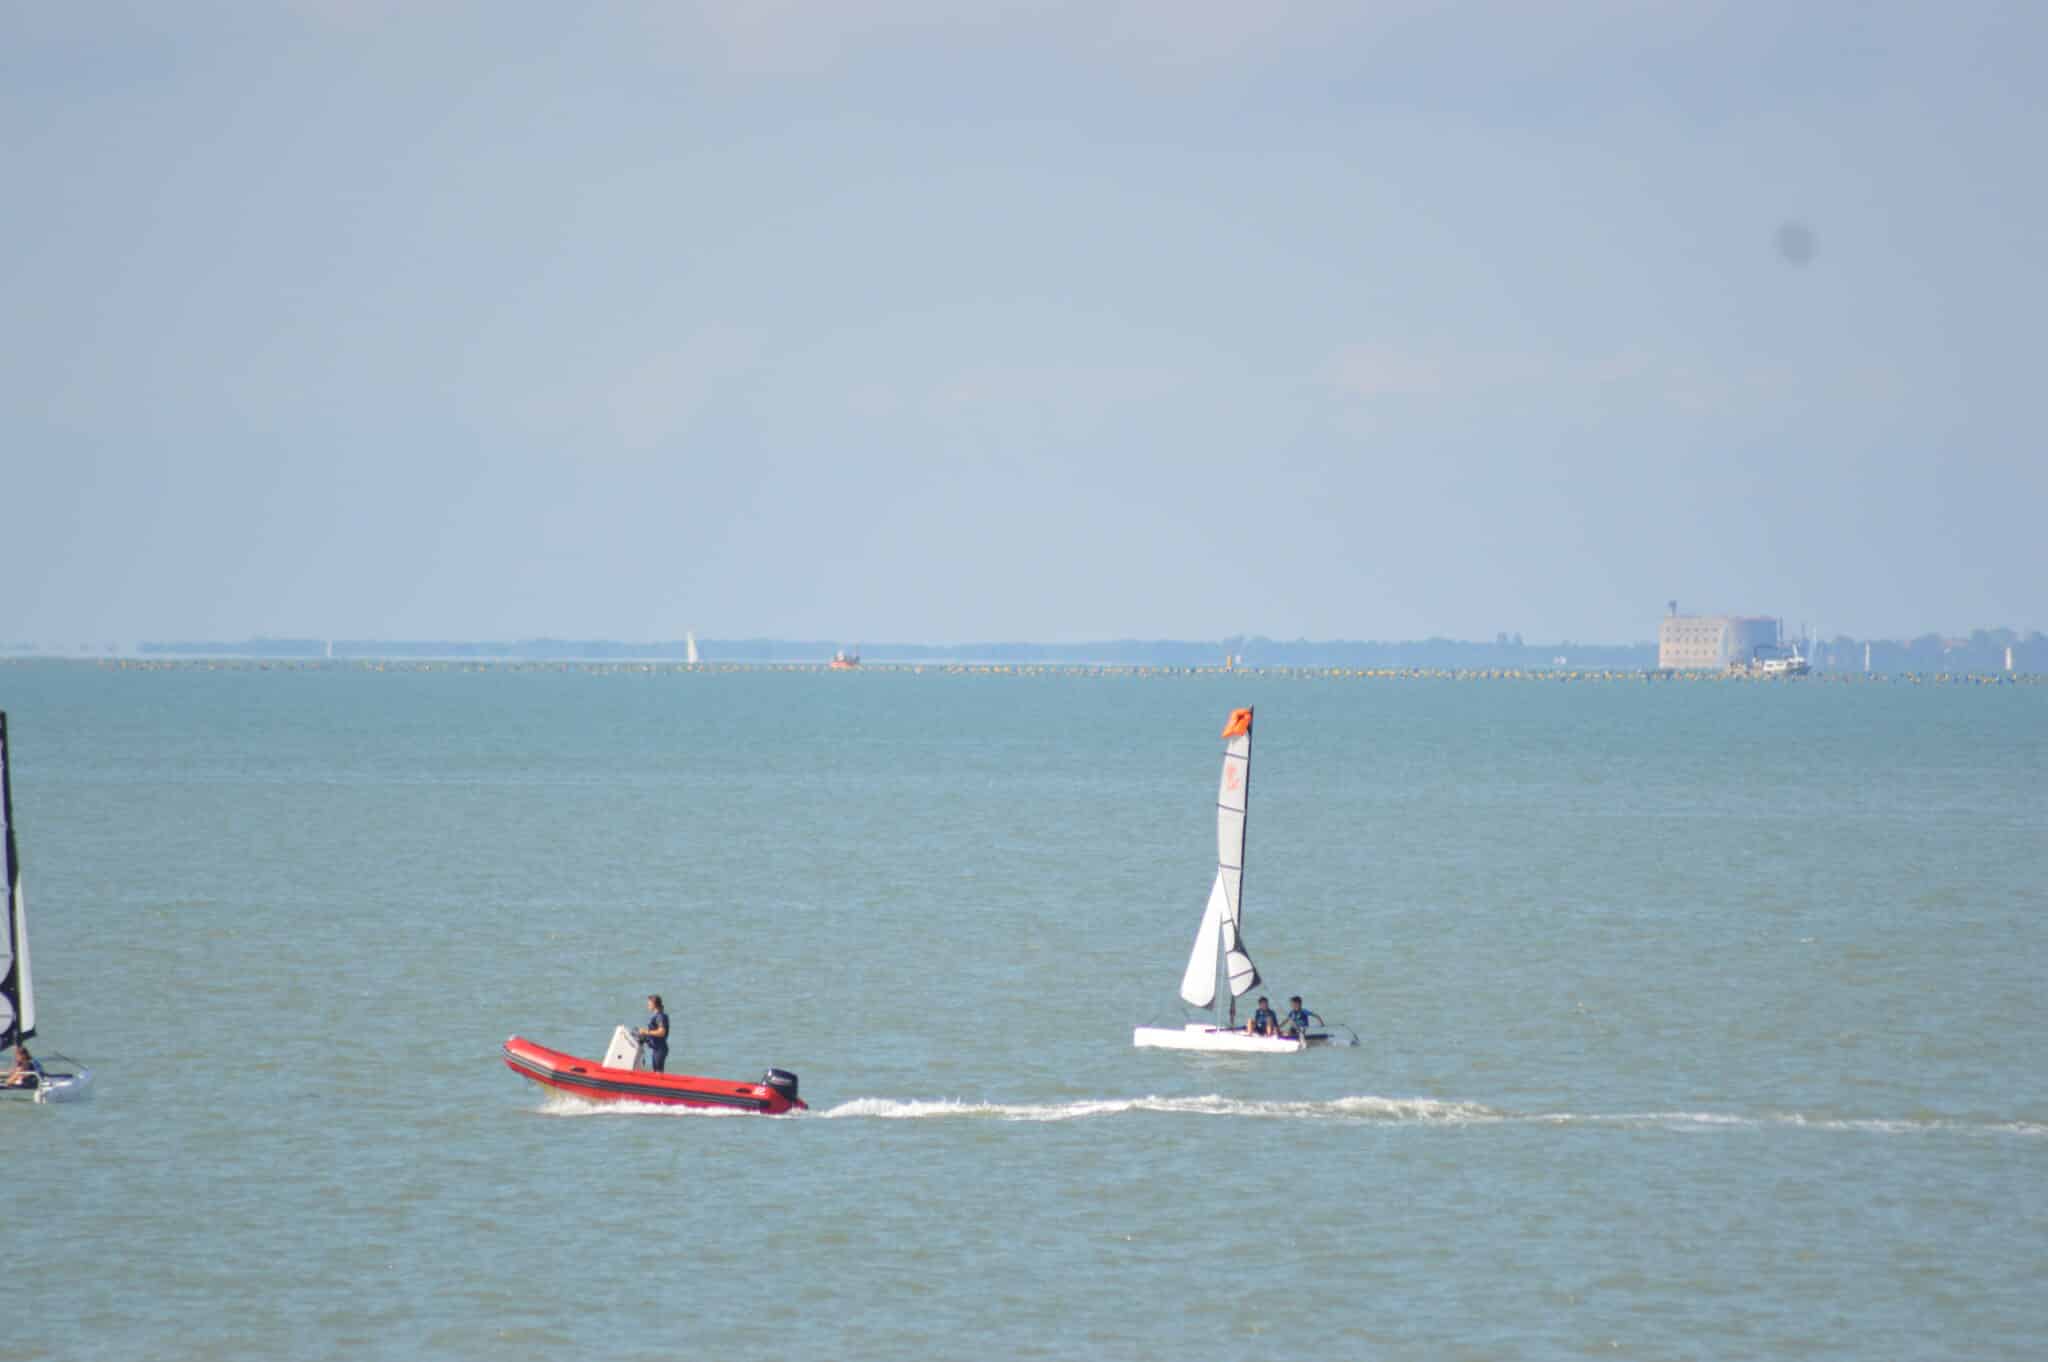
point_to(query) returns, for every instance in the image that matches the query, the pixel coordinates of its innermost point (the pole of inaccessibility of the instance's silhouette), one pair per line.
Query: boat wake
(1792, 1120)
(1387, 1110)
(1364, 1110)
(1406, 1111)
(567, 1104)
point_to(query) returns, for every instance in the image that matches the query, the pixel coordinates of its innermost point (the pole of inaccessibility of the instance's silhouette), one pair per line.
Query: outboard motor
(783, 1081)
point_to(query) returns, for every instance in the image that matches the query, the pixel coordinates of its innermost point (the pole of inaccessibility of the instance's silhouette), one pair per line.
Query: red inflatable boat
(594, 1081)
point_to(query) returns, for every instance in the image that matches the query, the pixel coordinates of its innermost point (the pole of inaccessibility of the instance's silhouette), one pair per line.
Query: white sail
(17, 985)
(690, 645)
(1198, 985)
(1220, 937)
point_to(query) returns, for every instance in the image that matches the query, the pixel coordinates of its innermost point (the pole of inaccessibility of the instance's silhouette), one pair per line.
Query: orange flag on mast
(1240, 722)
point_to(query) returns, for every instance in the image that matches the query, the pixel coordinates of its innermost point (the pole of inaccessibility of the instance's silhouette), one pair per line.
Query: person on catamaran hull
(1265, 1021)
(26, 1072)
(1298, 1018)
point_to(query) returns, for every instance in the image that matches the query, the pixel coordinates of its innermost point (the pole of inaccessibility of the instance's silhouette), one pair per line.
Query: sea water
(1696, 1020)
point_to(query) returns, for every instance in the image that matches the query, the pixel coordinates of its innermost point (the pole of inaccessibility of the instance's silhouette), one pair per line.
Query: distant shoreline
(1983, 651)
(657, 667)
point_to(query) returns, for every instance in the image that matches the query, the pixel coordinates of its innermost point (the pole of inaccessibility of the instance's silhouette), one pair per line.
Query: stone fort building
(1711, 642)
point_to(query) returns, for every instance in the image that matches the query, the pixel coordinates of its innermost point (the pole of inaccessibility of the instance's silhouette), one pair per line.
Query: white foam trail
(1866, 1125)
(1914, 1125)
(1403, 1111)
(1364, 1110)
(565, 1104)
(1378, 1109)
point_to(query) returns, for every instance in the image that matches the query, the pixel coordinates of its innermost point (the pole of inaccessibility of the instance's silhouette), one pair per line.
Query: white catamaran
(63, 1081)
(1220, 970)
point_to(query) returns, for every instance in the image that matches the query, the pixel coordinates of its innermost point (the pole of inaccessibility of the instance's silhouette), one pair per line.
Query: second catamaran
(64, 1081)
(1220, 969)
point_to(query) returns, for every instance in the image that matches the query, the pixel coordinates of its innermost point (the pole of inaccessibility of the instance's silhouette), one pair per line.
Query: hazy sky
(922, 320)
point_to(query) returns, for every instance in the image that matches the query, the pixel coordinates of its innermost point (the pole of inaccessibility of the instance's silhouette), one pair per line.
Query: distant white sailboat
(690, 649)
(61, 1080)
(1220, 969)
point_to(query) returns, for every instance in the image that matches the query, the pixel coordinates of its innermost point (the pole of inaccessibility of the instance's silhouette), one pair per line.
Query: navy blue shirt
(658, 1022)
(1297, 1017)
(1264, 1020)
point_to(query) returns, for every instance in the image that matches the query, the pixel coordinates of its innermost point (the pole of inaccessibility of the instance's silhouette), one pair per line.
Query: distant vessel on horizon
(1789, 663)
(690, 649)
(844, 661)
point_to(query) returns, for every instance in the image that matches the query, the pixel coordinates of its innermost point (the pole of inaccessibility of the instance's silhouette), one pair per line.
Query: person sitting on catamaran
(654, 1035)
(1297, 1020)
(26, 1073)
(1265, 1021)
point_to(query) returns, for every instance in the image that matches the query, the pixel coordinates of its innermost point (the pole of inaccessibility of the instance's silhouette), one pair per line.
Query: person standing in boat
(1297, 1020)
(654, 1035)
(1265, 1021)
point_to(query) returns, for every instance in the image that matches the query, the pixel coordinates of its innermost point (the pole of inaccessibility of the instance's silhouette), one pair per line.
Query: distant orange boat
(843, 661)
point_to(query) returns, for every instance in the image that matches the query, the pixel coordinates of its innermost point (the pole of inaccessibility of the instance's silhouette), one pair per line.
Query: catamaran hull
(592, 1081)
(74, 1087)
(1201, 1036)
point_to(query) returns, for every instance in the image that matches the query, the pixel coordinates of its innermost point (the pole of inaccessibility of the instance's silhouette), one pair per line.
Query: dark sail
(17, 992)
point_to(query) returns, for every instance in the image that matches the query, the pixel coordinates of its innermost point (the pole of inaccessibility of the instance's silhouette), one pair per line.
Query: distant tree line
(1253, 651)
(1983, 650)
